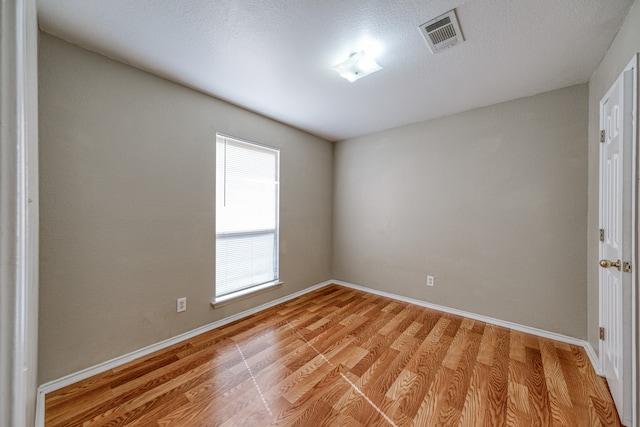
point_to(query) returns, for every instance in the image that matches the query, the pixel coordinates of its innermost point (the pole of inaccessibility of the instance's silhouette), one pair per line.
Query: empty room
(332, 213)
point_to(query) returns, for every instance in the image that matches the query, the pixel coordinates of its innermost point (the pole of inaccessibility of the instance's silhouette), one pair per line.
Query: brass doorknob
(605, 263)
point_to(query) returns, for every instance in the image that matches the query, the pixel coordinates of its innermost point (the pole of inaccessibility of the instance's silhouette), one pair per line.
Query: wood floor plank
(487, 345)
(539, 408)
(517, 350)
(341, 357)
(518, 413)
(425, 363)
(457, 392)
(561, 406)
(475, 402)
(497, 395)
(429, 410)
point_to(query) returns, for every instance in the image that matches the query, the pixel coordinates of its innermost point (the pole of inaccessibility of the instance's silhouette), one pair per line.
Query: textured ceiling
(274, 57)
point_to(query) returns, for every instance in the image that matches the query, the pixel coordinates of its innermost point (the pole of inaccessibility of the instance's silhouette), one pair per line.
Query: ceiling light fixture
(357, 66)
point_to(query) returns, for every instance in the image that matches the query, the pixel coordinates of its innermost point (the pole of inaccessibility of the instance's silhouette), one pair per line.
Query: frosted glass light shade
(357, 66)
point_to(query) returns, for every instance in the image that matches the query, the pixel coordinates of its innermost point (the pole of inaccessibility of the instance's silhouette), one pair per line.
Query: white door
(616, 235)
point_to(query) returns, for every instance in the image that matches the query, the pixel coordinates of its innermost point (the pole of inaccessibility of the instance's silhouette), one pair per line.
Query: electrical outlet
(431, 281)
(181, 305)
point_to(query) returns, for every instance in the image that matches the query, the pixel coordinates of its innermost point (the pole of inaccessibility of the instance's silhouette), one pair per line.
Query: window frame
(259, 287)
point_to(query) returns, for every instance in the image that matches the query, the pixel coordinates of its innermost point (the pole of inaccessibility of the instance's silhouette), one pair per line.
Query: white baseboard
(593, 357)
(515, 326)
(118, 361)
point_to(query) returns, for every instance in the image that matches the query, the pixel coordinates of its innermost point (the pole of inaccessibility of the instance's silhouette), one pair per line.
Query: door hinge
(602, 135)
(626, 267)
(602, 235)
(601, 333)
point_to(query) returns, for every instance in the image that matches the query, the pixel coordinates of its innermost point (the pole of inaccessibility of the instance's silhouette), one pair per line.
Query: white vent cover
(442, 32)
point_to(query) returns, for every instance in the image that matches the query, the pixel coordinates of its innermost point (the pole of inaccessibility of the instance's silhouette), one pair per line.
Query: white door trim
(633, 67)
(18, 212)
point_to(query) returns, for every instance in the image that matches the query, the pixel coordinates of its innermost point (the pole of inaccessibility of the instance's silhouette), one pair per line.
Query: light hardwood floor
(340, 357)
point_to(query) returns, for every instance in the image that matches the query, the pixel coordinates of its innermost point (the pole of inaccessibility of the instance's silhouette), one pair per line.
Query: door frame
(632, 67)
(18, 212)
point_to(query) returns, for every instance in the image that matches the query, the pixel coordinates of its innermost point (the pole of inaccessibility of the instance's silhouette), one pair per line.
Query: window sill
(245, 293)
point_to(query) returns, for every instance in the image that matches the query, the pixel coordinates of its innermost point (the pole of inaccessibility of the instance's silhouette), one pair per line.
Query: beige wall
(127, 207)
(625, 45)
(492, 202)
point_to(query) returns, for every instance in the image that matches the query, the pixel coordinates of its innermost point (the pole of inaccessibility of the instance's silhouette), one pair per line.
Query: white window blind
(247, 193)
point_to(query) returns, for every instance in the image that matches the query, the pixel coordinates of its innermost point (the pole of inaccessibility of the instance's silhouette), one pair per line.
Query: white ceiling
(274, 56)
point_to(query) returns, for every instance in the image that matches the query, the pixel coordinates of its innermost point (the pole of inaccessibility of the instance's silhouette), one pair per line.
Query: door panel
(615, 220)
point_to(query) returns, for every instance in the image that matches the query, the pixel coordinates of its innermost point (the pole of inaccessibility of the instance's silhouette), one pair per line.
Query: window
(247, 199)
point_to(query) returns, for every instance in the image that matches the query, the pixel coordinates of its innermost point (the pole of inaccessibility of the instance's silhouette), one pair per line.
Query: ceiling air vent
(442, 32)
